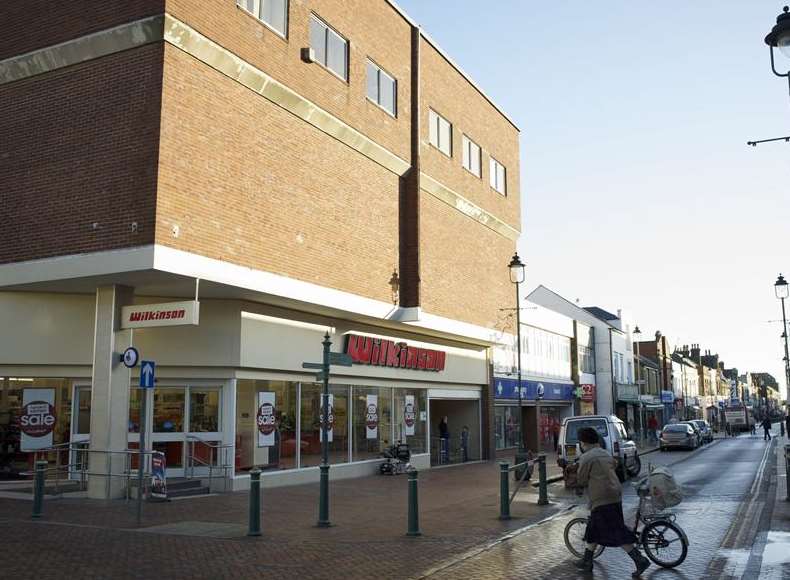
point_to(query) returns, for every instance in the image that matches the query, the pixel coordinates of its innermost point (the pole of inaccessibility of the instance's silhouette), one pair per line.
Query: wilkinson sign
(167, 314)
(388, 353)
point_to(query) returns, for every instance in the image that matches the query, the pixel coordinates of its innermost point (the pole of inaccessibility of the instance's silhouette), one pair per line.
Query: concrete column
(109, 393)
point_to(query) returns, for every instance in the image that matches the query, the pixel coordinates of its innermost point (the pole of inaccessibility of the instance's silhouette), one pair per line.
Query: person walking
(652, 426)
(597, 472)
(787, 426)
(555, 433)
(444, 440)
(766, 425)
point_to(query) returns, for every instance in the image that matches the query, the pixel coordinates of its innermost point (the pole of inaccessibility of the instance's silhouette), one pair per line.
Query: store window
(372, 422)
(254, 447)
(311, 424)
(411, 418)
(506, 427)
(203, 410)
(135, 396)
(169, 409)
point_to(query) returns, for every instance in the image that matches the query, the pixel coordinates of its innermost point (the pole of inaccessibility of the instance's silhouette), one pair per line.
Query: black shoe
(641, 562)
(586, 563)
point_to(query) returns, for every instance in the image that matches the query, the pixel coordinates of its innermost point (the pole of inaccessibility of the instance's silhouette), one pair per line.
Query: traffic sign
(147, 374)
(309, 365)
(130, 357)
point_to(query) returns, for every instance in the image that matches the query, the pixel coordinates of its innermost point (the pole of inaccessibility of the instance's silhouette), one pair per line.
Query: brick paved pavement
(95, 539)
(717, 478)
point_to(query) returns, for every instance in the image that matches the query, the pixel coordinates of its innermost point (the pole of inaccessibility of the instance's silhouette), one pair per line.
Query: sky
(638, 189)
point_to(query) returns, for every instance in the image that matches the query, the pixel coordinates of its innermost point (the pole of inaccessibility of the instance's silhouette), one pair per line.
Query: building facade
(279, 170)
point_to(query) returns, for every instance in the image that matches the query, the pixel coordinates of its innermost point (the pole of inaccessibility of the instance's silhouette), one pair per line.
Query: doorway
(461, 440)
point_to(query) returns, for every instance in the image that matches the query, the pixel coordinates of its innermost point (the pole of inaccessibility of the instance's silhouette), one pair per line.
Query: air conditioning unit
(308, 54)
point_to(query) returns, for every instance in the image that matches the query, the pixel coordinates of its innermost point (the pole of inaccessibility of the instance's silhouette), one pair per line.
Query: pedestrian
(652, 426)
(465, 443)
(766, 425)
(444, 440)
(606, 526)
(555, 433)
(729, 430)
(782, 428)
(787, 425)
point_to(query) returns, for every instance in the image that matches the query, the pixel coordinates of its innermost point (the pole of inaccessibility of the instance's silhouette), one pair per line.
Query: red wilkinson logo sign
(167, 314)
(388, 353)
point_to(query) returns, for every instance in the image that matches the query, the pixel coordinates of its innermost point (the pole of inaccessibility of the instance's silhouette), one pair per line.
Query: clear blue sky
(638, 189)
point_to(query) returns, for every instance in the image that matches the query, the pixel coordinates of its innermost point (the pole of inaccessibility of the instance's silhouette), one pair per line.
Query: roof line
(451, 62)
(576, 307)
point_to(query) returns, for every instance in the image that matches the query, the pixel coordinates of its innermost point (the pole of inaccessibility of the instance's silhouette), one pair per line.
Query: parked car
(614, 439)
(697, 432)
(678, 435)
(707, 432)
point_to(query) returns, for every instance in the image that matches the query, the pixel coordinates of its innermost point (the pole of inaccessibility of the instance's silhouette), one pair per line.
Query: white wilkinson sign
(166, 314)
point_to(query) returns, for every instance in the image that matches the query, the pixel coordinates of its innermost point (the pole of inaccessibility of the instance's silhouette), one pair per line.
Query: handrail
(213, 462)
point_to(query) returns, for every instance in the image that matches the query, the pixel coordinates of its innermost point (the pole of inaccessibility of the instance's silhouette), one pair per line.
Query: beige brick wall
(445, 90)
(464, 266)
(249, 183)
(373, 28)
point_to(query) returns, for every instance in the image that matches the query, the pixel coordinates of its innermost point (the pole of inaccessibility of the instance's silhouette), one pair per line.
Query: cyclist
(606, 525)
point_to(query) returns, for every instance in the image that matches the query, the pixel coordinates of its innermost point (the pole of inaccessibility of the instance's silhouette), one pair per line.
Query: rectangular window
(331, 49)
(471, 156)
(382, 89)
(498, 176)
(440, 133)
(272, 12)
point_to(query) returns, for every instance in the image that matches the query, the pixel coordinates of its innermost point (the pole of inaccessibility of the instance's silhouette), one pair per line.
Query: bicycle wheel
(574, 538)
(665, 543)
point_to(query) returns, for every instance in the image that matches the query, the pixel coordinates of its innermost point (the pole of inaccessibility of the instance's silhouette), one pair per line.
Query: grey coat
(597, 473)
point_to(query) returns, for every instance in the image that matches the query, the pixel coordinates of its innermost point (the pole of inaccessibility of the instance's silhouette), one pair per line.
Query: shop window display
(366, 445)
(311, 424)
(410, 424)
(169, 410)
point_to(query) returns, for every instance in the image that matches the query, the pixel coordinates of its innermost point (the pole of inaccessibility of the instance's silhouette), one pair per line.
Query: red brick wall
(249, 183)
(445, 90)
(26, 25)
(79, 146)
(373, 28)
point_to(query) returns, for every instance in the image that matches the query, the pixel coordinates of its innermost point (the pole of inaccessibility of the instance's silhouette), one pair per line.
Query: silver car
(678, 435)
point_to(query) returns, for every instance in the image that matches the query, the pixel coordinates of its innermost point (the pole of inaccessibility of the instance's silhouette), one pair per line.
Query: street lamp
(783, 291)
(779, 37)
(517, 276)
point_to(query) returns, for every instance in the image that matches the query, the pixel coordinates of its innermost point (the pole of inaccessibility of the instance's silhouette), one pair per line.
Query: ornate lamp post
(637, 337)
(783, 291)
(517, 276)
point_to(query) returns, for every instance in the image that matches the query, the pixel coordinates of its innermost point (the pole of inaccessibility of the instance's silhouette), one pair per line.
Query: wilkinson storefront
(233, 391)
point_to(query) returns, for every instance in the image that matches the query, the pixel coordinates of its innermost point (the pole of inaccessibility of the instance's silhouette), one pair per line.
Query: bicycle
(664, 541)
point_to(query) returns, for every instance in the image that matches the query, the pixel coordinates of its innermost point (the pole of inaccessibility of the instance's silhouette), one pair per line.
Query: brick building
(296, 167)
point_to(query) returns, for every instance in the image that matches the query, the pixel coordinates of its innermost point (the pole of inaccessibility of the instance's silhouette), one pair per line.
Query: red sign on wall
(588, 392)
(388, 353)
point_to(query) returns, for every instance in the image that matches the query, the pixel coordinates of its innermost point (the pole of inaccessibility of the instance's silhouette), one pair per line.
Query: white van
(614, 439)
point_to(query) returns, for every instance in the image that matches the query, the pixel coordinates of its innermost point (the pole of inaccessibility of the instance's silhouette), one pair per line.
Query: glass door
(80, 429)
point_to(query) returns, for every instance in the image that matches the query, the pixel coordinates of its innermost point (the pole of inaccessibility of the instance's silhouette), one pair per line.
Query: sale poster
(265, 419)
(158, 475)
(37, 421)
(372, 417)
(409, 415)
(331, 425)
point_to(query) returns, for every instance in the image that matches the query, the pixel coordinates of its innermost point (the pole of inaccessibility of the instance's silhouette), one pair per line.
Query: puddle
(777, 549)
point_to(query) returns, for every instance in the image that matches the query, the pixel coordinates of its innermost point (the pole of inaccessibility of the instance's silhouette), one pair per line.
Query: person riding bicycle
(597, 472)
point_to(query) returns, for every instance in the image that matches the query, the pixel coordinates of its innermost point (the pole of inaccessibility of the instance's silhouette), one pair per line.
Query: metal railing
(220, 458)
(79, 466)
(449, 451)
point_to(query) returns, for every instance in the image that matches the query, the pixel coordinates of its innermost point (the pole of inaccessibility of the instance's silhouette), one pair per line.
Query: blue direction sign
(147, 374)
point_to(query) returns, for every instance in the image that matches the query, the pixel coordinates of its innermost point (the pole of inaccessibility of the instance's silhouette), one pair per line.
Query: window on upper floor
(498, 176)
(440, 133)
(382, 88)
(274, 13)
(331, 49)
(471, 156)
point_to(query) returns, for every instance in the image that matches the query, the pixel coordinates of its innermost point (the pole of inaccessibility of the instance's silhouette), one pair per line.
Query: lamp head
(780, 33)
(781, 288)
(516, 268)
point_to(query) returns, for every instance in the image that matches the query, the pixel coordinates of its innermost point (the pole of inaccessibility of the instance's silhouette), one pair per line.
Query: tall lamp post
(782, 292)
(517, 276)
(779, 37)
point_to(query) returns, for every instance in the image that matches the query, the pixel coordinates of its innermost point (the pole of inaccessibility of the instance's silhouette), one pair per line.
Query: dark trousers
(767, 435)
